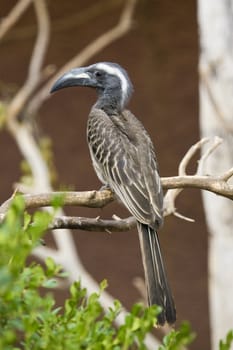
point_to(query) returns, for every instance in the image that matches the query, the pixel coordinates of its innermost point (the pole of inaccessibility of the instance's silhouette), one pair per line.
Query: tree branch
(215, 184)
(98, 199)
(34, 72)
(74, 20)
(90, 224)
(91, 199)
(172, 194)
(8, 22)
(201, 164)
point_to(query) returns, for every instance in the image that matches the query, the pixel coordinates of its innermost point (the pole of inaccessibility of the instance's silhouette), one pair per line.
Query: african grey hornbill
(124, 159)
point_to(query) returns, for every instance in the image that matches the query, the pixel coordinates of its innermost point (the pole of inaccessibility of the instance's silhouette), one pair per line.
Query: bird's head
(109, 79)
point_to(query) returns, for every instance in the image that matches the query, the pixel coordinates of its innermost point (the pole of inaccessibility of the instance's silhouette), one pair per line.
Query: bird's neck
(109, 101)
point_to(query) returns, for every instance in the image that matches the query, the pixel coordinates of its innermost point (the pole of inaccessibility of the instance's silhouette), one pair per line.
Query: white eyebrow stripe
(115, 71)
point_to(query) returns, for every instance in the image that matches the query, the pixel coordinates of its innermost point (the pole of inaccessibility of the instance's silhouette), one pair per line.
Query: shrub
(30, 319)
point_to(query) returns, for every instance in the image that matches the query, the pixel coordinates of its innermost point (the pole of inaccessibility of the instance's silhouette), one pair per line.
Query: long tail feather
(158, 289)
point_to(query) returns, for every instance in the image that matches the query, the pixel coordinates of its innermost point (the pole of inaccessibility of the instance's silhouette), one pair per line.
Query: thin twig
(34, 73)
(182, 172)
(227, 175)
(42, 41)
(213, 184)
(201, 164)
(189, 155)
(10, 20)
(172, 194)
(74, 20)
(183, 217)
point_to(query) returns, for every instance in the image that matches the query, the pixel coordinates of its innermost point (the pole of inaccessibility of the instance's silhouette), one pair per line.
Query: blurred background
(160, 53)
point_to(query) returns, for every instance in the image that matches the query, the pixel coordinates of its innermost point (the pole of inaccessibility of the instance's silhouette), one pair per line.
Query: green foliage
(176, 340)
(228, 342)
(31, 321)
(30, 318)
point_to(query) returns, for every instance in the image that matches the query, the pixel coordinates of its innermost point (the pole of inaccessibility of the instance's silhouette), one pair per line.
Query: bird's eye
(98, 74)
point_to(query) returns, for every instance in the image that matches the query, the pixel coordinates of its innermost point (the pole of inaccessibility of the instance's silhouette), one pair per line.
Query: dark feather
(158, 289)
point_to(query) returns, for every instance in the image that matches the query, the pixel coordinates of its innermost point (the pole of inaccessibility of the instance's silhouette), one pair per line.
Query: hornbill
(124, 159)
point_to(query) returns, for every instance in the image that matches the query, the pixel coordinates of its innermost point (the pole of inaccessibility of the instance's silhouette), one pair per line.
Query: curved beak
(75, 77)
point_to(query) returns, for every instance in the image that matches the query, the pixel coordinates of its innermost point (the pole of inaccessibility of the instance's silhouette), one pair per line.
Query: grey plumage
(124, 159)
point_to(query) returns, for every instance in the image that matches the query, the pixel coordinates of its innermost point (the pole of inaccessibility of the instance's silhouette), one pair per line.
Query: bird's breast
(98, 135)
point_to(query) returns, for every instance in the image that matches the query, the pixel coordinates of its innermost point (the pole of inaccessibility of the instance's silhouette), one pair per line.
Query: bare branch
(227, 175)
(89, 51)
(89, 224)
(183, 217)
(189, 155)
(74, 20)
(201, 164)
(34, 73)
(8, 22)
(98, 199)
(91, 199)
(172, 194)
(217, 185)
(41, 42)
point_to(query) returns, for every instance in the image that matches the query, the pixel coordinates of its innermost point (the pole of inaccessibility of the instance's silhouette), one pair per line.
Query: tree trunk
(216, 118)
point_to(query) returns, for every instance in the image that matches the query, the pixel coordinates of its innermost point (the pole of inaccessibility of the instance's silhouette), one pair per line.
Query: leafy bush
(30, 320)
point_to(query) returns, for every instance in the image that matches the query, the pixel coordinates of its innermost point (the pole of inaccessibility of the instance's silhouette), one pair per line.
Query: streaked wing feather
(127, 181)
(128, 167)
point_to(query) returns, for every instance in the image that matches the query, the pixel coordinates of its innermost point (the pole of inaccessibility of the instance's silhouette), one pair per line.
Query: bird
(124, 159)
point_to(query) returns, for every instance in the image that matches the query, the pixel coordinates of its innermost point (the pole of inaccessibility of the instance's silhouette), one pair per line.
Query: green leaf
(103, 285)
(176, 340)
(51, 283)
(51, 266)
(227, 343)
